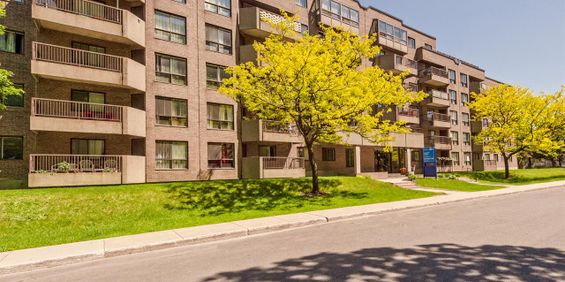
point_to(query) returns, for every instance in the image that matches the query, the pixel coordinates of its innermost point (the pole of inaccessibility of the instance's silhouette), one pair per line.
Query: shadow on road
(438, 262)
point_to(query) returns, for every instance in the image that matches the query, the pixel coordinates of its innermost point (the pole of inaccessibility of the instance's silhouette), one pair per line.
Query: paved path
(518, 237)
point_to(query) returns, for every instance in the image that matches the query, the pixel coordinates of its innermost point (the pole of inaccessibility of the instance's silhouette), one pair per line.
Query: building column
(408, 157)
(357, 160)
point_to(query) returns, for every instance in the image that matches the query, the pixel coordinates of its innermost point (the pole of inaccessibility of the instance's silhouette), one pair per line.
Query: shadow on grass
(437, 262)
(219, 197)
(498, 176)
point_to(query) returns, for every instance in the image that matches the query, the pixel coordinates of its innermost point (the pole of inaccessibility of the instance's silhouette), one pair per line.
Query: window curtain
(164, 65)
(178, 67)
(8, 42)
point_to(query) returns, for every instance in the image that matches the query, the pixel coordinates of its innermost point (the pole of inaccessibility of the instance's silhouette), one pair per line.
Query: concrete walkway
(26, 259)
(407, 184)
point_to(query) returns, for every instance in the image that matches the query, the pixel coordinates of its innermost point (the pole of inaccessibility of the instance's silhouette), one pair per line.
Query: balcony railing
(438, 117)
(274, 18)
(76, 110)
(439, 94)
(76, 57)
(408, 112)
(85, 8)
(275, 127)
(282, 163)
(489, 162)
(403, 61)
(434, 71)
(432, 140)
(74, 163)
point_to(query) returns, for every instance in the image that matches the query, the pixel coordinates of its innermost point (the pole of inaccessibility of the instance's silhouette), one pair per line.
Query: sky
(519, 42)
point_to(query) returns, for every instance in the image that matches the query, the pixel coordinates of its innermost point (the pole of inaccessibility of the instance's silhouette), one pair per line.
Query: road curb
(50, 256)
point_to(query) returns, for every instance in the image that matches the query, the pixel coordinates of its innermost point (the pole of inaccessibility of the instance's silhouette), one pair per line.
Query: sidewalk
(21, 260)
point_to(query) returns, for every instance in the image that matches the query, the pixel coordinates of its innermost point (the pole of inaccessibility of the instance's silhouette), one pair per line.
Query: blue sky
(516, 41)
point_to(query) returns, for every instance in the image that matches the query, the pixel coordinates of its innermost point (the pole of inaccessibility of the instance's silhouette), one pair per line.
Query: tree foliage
(518, 121)
(325, 85)
(7, 88)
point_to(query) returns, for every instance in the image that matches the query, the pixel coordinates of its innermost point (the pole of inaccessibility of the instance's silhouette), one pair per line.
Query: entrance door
(382, 161)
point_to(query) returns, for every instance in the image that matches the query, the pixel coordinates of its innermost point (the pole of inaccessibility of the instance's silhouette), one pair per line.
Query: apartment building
(126, 92)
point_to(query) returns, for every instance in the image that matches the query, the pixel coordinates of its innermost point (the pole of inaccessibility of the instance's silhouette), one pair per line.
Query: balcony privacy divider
(76, 110)
(48, 163)
(85, 8)
(282, 163)
(76, 57)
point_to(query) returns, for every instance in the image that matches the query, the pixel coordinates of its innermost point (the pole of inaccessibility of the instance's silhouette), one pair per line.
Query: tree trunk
(314, 168)
(529, 162)
(506, 167)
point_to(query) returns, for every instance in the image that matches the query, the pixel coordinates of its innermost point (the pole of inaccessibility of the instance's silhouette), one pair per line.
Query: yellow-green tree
(325, 85)
(7, 88)
(518, 121)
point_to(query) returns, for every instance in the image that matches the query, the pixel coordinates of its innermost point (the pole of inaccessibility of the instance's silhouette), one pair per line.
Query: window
(267, 150)
(393, 33)
(220, 116)
(91, 111)
(12, 42)
(428, 46)
(453, 97)
(11, 148)
(14, 100)
(170, 27)
(214, 75)
(218, 39)
(180, 1)
(467, 158)
(302, 153)
(302, 3)
(328, 154)
(464, 78)
(464, 98)
(485, 122)
(169, 69)
(349, 157)
(340, 12)
(496, 157)
(220, 7)
(220, 155)
(465, 119)
(452, 78)
(303, 28)
(172, 112)
(466, 139)
(171, 154)
(87, 147)
(454, 137)
(411, 42)
(455, 158)
(454, 117)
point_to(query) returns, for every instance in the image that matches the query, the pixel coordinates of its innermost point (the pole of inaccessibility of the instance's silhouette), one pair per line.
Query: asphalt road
(518, 237)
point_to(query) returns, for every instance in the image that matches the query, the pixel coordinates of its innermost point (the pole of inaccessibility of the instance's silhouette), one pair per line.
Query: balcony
(398, 64)
(247, 54)
(70, 64)
(273, 167)
(251, 22)
(437, 98)
(269, 131)
(408, 140)
(336, 20)
(409, 115)
(80, 117)
(439, 120)
(80, 170)
(91, 19)
(434, 76)
(386, 40)
(438, 142)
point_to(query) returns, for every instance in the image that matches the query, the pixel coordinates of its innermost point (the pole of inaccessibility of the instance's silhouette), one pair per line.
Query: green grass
(40, 217)
(453, 184)
(519, 176)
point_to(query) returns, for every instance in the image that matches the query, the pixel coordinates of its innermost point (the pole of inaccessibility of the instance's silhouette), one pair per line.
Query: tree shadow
(219, 197)
(498, 176)
(437, 262)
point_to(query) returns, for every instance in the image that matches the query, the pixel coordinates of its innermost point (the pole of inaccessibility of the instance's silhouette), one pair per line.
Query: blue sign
(430, 162)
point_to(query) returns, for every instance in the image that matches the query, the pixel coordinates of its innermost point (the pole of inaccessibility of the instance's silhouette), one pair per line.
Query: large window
(13, 100)
(221, 155)
(218, 39)
(466, 138)
(393, 33)
(411, 42)
(328, 154)
(454, 119)
(87, 147)
(302, 3)
(170, 27)
(452, 76)
(170, 69)
(221, 7)
(220, 116)
(464, 79)
(171, 154)
(172, 112)
(453, 97)
(340, 12)
(11, 148)
(464, 98)
(467, 158)
(454, 137)
(12, 42)
(455, 158)
(465, 119)
(349, 157)
(214, 75)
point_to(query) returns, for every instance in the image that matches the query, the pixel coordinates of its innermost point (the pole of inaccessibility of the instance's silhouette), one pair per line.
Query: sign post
(430, 162)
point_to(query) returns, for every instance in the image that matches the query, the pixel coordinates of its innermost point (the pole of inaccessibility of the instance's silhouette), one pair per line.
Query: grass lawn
(519, 176)
(455, 185)
(39, 217)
